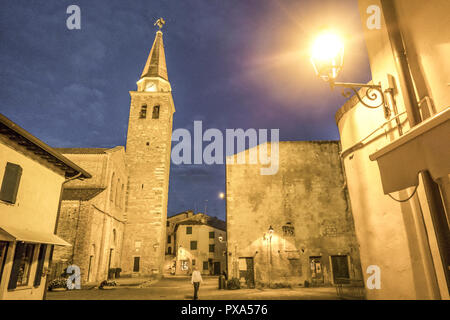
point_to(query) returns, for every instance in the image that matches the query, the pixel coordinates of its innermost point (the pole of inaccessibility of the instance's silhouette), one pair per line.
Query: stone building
(195, 240)
(404, 154)
(92, 216)
(32, 176)
(293, 226)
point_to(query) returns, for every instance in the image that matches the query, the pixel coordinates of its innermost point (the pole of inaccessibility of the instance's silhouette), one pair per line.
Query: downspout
(432, 191)
(58, 214)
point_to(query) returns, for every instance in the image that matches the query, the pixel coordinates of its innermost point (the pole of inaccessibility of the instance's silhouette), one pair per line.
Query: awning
(16, 234)
(424, 147)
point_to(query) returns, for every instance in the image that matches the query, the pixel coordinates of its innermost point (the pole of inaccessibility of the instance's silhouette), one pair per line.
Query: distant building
(31, 176)
(294, 226)
(196, 241)
(92, 215)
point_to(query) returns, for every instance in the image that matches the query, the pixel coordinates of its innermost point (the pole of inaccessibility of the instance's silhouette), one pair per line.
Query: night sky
(231, 64)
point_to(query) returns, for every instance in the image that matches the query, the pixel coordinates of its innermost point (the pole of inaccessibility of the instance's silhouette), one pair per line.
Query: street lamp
(221, 195)
(327, 56)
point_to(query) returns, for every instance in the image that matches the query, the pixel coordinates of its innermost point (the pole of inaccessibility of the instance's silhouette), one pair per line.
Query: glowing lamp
(327, 56)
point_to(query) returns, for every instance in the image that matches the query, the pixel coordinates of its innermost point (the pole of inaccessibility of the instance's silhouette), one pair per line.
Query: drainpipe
(58, 214)
(431, 188)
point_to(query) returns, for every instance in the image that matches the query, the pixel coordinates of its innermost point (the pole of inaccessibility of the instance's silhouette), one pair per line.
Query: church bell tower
(148, 161)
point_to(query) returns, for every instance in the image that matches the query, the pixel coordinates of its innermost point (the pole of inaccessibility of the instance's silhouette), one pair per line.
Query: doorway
(339, 266)
(136, 262)
(217, 268)
(246, 271)
(315, 263)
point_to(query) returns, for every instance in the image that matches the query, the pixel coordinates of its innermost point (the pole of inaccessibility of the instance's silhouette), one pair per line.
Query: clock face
(150, 87)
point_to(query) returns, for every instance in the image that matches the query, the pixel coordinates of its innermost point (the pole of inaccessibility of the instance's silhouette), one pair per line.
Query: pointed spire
(156, 62)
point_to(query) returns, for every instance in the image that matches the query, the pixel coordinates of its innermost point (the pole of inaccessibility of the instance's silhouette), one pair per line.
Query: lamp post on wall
(327, 57)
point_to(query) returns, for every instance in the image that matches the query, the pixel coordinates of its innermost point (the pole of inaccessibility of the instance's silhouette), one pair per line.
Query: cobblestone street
(180, 288)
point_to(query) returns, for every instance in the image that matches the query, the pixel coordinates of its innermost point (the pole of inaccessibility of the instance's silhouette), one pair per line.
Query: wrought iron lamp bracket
(372, 93)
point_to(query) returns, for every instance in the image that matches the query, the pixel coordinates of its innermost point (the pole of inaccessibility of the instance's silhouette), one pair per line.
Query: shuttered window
(188, 230)
(211, 235)
(211, 248)
(40, 265)
(3, 253)
(193, 245)
(10, 183)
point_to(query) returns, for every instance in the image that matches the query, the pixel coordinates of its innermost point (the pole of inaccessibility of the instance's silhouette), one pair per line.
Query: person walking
(196, 280)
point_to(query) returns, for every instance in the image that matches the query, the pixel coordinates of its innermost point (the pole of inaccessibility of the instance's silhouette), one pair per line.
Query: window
(40, 265)
(3, 252)
(211, 235)
(193, 262)
(155, 114)
(143, 112)
(169, 238)
(193, 245)
(111, 190)
(10, 184)
(211, 248)
(20, 271)
(169, 250)
(288, 230)
(205, 265)
(188, 230)
(136, 264)
(117, 197)
(168, 224)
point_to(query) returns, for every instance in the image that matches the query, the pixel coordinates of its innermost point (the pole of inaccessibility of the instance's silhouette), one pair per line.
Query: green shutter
(40, 265)
(10, 184)
(20, 248)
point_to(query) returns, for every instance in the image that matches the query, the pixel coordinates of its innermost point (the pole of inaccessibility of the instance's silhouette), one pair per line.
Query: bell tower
(148, 161)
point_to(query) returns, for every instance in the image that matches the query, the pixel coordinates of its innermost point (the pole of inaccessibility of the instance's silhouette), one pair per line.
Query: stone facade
(301, 223)
(92, 214)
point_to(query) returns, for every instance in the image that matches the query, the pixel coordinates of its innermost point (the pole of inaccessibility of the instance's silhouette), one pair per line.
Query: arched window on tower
(143, 112)
(111, 188)
(155, 114)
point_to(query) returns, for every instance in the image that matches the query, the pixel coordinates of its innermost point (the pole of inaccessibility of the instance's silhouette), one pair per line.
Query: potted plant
(59, 284)
(107, 285)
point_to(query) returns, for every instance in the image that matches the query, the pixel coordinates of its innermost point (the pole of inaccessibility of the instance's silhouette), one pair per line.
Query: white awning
(15, 234)
(424, 147)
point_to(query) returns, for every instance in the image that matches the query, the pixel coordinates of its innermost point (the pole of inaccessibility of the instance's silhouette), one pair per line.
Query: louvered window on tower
(155, 112)
(143, 113)
(10, 183)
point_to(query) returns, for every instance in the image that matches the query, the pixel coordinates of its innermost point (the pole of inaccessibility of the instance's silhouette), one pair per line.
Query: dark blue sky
(231, 63)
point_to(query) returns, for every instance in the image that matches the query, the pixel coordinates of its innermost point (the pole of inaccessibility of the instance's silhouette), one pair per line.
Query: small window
(155, 114)
(169, 250)
(193, 245)
(10, 184)
(193, 262)
(211, 235)
(211, 248)
(205, 265)
(143, 112)
(188, 230)
(169, 239)
(168, 223)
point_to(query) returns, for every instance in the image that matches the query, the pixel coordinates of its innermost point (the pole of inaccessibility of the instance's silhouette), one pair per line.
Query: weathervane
(160, 22)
